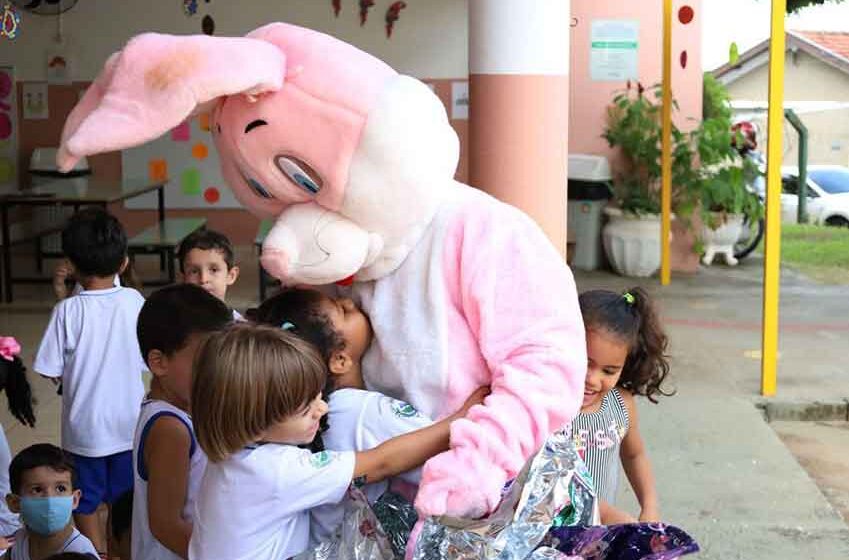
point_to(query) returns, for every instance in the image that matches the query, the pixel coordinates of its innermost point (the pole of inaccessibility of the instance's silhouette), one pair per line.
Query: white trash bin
(588, 192)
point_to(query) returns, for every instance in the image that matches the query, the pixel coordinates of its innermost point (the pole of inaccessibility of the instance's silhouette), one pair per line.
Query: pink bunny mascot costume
(356, 163)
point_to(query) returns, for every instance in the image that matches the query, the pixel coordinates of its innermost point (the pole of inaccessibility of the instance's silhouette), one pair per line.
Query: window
(790, 185)
(832, 180)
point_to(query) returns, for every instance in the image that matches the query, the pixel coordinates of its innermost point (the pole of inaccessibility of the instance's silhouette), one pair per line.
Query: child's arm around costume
(519, 298)
(635, 461)
(403, 453)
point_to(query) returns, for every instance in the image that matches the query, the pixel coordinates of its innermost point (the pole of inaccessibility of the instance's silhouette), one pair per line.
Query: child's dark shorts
(102, 479)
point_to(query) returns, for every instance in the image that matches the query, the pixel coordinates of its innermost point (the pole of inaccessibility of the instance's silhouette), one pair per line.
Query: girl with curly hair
(626, 356)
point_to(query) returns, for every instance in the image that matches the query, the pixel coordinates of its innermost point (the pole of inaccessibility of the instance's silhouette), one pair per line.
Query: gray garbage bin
(589, 190)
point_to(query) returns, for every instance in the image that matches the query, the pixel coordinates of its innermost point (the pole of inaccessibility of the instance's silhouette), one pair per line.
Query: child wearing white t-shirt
(42, 491)
(358, 419)
(167, 463)
(207, 260)
(256, 397)
(90, 345)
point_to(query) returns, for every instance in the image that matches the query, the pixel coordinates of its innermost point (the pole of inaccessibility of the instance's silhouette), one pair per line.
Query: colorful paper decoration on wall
(207, 25)
(190, 7)
(200, 151)
(59, 70)
(337, 7)
(392, 15)
(187, 159)
(203, 121)
(8, 129)
(686, 15)
(364, 7)
(157, 170)
(11, 21)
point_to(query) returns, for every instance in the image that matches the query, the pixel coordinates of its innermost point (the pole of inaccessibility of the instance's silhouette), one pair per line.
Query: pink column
(518, 104)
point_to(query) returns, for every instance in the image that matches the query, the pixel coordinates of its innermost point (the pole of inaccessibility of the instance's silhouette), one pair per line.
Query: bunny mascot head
(356, 163)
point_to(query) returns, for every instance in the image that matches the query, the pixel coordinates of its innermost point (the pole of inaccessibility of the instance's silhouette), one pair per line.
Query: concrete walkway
(723, 474)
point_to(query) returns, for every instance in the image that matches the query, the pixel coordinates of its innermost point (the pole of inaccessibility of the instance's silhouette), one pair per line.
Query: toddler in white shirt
(257, 397)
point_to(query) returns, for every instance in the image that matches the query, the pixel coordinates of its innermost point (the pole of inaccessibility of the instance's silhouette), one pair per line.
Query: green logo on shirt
(320, 459)
(404, 410)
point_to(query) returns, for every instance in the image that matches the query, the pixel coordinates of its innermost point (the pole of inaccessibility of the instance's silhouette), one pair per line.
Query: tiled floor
(27, 316)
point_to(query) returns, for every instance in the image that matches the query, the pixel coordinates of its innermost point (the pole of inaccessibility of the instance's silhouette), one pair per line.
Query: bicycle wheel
(749, 239)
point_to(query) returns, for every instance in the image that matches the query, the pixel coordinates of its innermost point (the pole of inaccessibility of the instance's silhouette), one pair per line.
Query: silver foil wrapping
(553, 488)
(360, 537)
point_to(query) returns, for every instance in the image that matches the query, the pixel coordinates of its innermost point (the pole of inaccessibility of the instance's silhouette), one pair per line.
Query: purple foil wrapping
(552, 481)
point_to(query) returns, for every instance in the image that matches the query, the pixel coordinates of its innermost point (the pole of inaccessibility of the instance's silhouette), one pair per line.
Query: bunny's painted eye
(255, 186)
(258, 189)
(299, 173)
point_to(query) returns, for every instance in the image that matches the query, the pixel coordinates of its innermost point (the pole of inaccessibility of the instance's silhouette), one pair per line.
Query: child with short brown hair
(256, 397)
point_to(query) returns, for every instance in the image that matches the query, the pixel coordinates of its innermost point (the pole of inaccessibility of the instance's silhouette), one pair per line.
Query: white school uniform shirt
(77, 542)
(255, 504)
(357, 421)
(144, 544)
(90, 342)
(9, 522)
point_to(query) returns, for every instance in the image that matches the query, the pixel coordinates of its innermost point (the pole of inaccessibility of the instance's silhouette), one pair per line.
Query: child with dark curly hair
(626, 356)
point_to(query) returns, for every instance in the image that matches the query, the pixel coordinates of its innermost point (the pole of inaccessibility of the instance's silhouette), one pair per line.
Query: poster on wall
(8, 130)
(460, 100)
(187, 158)
(614, 50)
(35, 101)
(58, 67)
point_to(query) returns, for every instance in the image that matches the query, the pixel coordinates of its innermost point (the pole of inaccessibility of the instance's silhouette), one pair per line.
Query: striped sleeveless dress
(598, 437)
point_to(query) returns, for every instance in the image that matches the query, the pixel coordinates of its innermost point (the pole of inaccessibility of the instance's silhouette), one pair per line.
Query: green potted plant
(632, 235)
(725, 201)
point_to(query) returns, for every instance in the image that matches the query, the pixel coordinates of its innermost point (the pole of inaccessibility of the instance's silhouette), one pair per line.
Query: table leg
(172, 275)
(160, 193)
(7, 254)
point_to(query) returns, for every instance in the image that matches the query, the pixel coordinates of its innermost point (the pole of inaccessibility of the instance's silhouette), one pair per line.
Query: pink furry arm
(520, 300)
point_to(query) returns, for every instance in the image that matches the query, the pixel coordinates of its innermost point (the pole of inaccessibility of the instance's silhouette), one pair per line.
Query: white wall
(429, 41)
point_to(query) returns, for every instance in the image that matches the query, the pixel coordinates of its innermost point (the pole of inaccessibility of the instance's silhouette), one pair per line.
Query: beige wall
(96, 28)
(806, 79)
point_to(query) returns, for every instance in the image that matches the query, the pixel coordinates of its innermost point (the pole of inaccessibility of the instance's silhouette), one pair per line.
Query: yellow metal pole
(666, 158)
(772, 244)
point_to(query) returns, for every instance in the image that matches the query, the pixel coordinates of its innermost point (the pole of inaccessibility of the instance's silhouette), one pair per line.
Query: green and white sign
(614, 50)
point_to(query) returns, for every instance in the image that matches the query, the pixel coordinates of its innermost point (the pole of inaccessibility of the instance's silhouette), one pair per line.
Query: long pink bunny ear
(157, 81)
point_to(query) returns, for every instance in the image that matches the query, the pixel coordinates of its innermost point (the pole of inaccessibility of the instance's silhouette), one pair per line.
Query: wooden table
(75, 192)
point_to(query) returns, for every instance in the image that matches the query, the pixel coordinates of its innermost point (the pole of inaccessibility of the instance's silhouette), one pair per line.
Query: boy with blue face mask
(41, 481)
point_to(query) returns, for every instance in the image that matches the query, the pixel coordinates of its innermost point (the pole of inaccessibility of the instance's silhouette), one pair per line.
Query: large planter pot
(632, 242)
(722, 239)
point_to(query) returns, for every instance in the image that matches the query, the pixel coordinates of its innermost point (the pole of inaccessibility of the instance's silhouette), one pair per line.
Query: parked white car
(828, 195)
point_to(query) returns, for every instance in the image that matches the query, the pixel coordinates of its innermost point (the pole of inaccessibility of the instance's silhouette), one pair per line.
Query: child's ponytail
(647, 364)
(13, 379)
(632, 318)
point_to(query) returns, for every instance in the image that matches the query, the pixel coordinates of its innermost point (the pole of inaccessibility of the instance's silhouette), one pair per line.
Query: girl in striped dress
(626, 356)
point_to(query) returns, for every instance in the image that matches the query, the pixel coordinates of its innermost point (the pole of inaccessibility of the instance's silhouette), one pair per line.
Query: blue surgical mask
(46, 516)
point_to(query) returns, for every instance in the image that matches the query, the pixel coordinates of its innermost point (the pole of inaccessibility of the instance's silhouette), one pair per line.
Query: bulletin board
(8, 130)
(187, 157)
